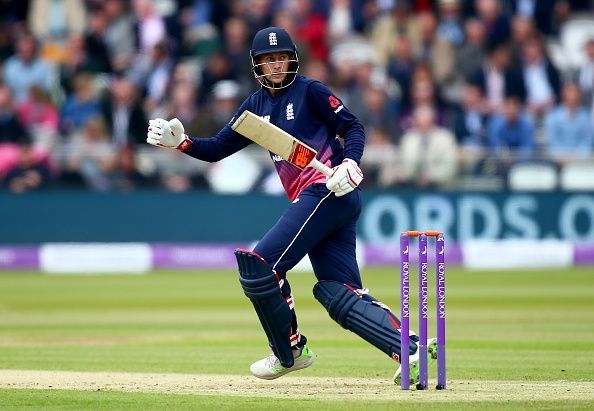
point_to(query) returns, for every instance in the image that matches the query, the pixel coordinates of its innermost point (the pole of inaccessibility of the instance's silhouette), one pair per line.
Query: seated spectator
(437, 52)
(511, 133)
(471, 54)
(497, 79)
(119, 36)
(40, 117)
(428, 153)
(29, 173)
(470, 119)
(401, 66)
(26, 69)
(11, 130)
(123, 113)
(378, 159)
(586, 73)
(52, 22)
(92, 156)
(151, 74)
(377, 111)
(494, 19)
(568, 128)
(217, 113)
(540, 76)
(150, 25)
(127, 177)
(450, 22)
(400, 22)
(80, 106)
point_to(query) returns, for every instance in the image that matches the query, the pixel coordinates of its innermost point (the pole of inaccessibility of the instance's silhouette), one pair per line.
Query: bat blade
(278, 141)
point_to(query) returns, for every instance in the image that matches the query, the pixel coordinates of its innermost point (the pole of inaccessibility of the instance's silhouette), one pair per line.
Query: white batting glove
(170, 134)
(345, 178)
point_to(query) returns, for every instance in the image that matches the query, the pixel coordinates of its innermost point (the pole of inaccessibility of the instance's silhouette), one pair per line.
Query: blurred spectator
(123, 113)
(511, 133)
(120, 36)
(221, 107)
(53, 22)
(568, 128)
(450, 22)
(182, 104)
(423, 93)
(542, 12)
(236, 47)
(80, 106)
(150, 26)
(428, 153)
(126, 175)
(11, 130)
(98, 60)
(399, 23)
(435, 51)
(540, 76)
(152, 74)
(495, 21)
(401, 66)
(379, 159)
(470, 119)
(497, 80)
(29, 173)
(471, 54)
(586, 73)
(91, 156)
(317, 70)
(218, 68)
(200, 36)
(340, 21)
(377, 113)
(522, 31)
(26, 69)
(311, 28)
(40, 117)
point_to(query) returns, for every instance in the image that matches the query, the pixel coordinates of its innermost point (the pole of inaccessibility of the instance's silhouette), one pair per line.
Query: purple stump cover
(423, 313)
(404, 313)
(441, 311)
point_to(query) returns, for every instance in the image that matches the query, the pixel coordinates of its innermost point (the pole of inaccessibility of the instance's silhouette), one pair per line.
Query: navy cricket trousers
(319, 224)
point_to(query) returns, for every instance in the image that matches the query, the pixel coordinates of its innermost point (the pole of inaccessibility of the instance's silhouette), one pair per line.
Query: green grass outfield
(185, 340)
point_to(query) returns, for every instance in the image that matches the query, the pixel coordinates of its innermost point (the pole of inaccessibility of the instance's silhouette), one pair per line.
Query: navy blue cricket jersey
(307, 110)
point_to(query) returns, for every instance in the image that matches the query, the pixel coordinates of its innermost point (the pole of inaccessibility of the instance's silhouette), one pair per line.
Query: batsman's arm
(330, 110)
(171, 134)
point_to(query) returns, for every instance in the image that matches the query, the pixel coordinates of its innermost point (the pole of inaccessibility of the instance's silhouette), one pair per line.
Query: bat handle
(321, 167)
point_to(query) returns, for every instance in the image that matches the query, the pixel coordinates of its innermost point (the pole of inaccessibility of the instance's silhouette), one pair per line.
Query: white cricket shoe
(413, 361)
(270, 367)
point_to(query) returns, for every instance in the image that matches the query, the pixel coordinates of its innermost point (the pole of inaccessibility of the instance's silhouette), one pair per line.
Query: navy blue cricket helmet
(271, 40)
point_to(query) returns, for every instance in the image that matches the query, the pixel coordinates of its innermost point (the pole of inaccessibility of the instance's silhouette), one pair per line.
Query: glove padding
(345, 178)
(170, 134)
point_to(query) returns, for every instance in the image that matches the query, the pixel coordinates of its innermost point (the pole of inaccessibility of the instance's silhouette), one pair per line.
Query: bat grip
(321, 167)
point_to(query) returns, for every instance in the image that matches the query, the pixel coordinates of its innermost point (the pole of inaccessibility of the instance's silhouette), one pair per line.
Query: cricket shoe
(413, 361)
(270, 367)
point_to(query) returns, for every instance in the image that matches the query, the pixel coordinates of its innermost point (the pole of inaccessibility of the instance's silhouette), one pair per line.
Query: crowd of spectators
(444, 88)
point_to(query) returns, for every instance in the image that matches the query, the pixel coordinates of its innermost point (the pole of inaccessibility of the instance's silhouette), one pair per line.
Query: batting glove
(170, 134)
(345, 178)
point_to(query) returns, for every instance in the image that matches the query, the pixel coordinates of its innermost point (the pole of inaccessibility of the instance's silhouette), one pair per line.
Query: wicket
(423, 307)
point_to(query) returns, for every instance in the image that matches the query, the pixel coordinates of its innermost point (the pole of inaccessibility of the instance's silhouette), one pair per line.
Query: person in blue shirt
(321, 219)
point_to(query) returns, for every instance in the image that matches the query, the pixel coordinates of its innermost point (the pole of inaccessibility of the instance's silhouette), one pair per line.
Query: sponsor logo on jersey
(290, 113)
(276, 158)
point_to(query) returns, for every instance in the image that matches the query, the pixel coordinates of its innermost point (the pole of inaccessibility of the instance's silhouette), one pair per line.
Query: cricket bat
(279, 142)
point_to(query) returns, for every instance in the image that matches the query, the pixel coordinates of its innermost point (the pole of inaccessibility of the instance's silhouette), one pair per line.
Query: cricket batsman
(321, 220)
